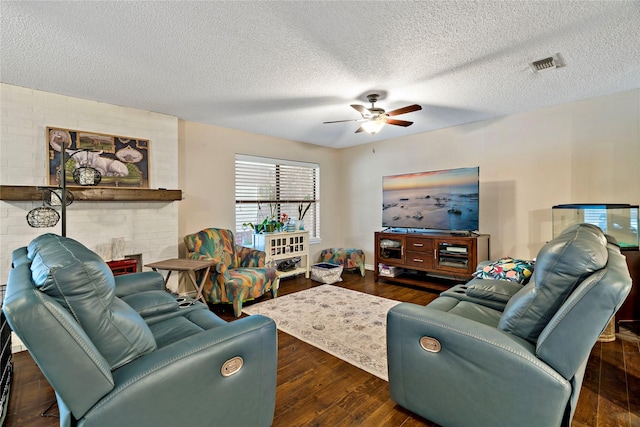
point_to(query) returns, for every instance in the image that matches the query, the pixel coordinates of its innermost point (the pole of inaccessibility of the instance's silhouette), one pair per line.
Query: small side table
(189, 266)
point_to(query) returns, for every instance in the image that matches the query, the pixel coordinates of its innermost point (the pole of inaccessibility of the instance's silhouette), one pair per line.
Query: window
(597, 217)
(271, 187)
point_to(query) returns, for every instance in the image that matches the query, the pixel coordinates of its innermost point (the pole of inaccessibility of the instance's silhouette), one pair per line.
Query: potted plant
(269, 224)
(302, 211)
(247, 238)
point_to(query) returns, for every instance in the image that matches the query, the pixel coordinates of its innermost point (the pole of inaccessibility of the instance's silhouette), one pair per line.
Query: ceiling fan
(375, 118)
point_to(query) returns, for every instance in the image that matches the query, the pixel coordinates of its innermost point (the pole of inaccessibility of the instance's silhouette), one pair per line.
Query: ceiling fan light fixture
(375, 118)
(373, 126)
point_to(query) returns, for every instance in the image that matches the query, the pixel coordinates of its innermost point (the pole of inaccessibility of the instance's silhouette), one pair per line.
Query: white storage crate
(326, 273)
(389, 270)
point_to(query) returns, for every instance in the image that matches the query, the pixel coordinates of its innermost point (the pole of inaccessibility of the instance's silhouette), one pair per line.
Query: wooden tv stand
(420, 255)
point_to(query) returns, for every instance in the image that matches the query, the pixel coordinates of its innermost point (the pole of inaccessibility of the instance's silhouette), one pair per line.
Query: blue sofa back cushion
(560, 266)
(81, 282)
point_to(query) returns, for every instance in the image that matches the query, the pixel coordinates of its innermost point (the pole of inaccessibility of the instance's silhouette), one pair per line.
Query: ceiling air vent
(546, 63)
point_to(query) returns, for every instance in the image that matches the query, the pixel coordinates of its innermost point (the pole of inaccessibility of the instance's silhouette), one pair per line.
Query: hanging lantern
(53, 197)
(86, 175)
(43, 217)
(83, 174)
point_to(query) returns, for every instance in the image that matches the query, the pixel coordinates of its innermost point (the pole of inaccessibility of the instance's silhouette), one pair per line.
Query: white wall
(207, 178)
(587, 151)
(149, 228)
(582, 152)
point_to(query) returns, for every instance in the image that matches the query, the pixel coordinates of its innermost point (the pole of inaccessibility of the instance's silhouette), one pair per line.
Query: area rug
(348, 324)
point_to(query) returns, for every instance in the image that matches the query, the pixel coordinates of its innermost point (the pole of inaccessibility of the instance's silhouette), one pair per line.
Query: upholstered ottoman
(348, 258)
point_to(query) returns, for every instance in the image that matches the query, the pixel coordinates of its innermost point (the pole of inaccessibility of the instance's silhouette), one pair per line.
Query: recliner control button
(231, 366)
(430, 344)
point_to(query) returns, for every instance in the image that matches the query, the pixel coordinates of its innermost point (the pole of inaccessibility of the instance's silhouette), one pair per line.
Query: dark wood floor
(317, 389)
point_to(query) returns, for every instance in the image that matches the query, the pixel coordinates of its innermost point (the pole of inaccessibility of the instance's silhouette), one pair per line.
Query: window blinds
(270, 187)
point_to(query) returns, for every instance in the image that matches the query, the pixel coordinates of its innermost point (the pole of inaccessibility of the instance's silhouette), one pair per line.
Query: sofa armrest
(128, 284)
(487, 292)
(475, 364)
(494, 290)
(248, 257)
(221, 268)
(184, 381)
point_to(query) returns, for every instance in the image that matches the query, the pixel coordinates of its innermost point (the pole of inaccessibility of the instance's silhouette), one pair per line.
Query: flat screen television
(437, 200)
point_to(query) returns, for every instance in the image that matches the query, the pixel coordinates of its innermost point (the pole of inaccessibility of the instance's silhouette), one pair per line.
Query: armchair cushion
(560, 266)
(81, 282)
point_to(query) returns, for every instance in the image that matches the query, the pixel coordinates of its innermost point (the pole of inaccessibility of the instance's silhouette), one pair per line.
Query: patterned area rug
(348, 324)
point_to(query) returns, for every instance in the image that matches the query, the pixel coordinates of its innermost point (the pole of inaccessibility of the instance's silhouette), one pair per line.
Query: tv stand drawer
(420, 260)
(420, 244)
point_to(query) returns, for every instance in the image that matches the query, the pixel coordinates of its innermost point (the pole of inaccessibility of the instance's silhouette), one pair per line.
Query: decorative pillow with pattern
(507, 268)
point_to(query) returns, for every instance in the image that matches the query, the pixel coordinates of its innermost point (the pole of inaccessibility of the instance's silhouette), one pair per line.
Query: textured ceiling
(283, 68)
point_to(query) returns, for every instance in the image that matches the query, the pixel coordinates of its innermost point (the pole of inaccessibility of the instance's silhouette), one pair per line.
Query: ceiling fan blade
(342, 121)
(404, 110)
(399, 122)
(362, 110)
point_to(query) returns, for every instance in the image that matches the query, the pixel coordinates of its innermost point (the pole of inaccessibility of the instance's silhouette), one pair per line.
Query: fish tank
(617, 220)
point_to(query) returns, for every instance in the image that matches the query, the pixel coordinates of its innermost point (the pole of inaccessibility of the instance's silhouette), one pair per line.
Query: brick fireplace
(150, 229)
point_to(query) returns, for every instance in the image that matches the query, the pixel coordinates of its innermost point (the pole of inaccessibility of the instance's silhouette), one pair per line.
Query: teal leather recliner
(489, 354)
(121, 351)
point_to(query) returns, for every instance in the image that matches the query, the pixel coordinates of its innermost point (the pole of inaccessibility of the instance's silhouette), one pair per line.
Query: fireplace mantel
(92, 194)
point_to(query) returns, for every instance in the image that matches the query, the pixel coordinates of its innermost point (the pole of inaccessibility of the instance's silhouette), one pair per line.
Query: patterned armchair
(238, 273)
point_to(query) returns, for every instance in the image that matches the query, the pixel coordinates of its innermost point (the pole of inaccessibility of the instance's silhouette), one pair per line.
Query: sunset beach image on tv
(438, 200)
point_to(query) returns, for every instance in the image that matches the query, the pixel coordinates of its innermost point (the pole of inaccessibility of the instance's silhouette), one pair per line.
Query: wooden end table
(189, 266)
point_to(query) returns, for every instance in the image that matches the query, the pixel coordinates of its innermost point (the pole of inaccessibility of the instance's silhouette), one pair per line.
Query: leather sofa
(493, 354)
(121, 351)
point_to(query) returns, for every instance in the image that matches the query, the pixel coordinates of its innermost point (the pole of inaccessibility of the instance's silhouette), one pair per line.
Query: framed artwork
(122, 161)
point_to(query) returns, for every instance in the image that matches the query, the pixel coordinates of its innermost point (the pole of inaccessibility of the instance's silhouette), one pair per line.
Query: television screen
(436, 200)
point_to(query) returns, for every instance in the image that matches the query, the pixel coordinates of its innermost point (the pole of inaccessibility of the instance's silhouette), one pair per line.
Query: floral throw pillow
(507, 268)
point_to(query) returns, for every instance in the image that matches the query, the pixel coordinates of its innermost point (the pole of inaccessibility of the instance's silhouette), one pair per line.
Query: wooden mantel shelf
(93, 194)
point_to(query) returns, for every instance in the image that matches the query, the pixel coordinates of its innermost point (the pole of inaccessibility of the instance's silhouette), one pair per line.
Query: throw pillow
(507, 268)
